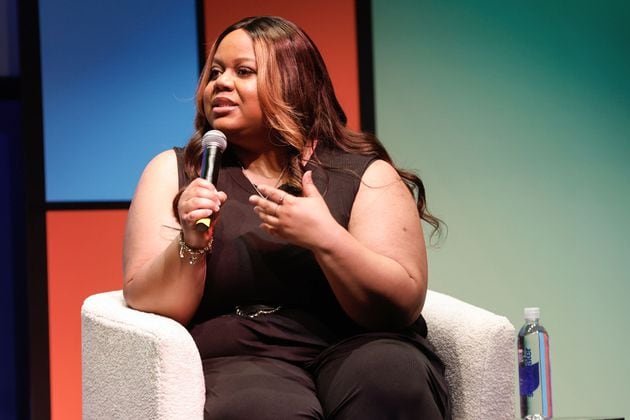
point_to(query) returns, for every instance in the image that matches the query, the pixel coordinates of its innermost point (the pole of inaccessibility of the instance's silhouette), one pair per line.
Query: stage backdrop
(118, 87)
(517, 116)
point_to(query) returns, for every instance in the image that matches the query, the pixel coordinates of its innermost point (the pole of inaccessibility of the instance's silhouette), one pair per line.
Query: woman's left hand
(304, 221)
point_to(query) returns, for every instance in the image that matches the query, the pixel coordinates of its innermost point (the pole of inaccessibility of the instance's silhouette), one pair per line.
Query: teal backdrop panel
(516, 114)
(118, 81)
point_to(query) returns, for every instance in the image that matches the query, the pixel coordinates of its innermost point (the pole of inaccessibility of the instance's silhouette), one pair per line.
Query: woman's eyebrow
(238, 60)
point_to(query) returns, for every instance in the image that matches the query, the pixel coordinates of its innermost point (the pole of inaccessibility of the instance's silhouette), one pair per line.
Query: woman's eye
(214, 73)
(245, 71)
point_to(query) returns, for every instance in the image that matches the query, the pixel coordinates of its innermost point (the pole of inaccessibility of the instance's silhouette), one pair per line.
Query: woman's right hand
(200, 199)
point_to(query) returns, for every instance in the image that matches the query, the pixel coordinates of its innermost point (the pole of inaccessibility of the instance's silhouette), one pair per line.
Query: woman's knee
(385, 376)
(267, 404)
(258, 388)
(388, 367)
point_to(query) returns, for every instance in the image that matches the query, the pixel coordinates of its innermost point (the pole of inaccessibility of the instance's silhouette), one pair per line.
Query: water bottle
(534, 370)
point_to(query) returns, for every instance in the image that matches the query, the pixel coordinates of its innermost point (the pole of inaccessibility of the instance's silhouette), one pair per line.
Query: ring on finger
(282, 199)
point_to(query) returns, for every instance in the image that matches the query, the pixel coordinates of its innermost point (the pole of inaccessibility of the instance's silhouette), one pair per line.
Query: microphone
(214, 143)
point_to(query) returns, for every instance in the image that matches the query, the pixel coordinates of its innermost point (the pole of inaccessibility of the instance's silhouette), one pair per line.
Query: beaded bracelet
(193, 253)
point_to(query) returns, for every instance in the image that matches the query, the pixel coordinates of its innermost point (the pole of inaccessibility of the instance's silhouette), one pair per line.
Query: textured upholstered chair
(138, 365)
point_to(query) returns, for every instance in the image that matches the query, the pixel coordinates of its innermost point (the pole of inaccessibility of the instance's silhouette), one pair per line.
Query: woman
(304, 297)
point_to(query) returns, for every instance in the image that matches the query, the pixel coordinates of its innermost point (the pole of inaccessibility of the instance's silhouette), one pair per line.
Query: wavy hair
(298, 103)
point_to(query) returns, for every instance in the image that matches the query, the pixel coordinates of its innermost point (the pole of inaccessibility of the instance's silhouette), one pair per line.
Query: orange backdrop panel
(331, 24)
(84, 257)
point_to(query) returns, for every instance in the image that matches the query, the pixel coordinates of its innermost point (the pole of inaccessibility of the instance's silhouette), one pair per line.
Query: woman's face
(231, 96)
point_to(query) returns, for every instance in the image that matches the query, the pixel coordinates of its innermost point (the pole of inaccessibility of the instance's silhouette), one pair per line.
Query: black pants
(365, 377)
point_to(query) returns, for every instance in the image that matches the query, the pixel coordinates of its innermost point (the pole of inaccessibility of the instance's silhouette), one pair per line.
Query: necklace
(275, 185)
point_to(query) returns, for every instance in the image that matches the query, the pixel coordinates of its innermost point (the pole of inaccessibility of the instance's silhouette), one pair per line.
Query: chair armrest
(137, 365)
(478, 349)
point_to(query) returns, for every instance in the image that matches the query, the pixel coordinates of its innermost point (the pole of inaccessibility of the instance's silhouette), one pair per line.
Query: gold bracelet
(193, 253)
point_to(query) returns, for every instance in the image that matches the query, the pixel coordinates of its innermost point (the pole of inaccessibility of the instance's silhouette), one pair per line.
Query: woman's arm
(377, 268)
(156, 279)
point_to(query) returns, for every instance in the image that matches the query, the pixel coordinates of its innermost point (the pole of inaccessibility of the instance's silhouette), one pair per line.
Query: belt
(252, 311)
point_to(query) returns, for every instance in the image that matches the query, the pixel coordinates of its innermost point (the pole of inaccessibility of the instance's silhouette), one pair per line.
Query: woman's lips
(222, 105)
(222, 102)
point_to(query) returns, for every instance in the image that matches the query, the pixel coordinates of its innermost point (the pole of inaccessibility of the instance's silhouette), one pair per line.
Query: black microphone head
(214, 138)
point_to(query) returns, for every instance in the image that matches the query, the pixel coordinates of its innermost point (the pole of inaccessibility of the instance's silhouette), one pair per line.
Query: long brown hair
(298, 102)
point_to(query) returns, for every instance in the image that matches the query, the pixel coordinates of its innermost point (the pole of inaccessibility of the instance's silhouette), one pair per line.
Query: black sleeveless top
(248, 266)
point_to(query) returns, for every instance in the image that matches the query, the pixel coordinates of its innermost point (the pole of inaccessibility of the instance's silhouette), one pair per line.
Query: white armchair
(138, 365)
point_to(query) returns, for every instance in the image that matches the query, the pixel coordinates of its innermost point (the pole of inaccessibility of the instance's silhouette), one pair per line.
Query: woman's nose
(224, 80)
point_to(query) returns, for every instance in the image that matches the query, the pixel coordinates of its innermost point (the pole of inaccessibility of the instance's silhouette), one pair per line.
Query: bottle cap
(532, 313)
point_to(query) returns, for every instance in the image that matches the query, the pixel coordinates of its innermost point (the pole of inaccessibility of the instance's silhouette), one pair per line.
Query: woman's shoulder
(157, 184)
(164, 159)
(380, 173)
(161, 167)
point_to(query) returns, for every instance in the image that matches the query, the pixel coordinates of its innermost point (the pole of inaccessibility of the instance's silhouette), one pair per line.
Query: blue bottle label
(529, 379)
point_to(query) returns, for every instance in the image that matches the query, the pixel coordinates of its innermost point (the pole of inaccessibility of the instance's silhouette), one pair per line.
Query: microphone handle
(210, 164)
